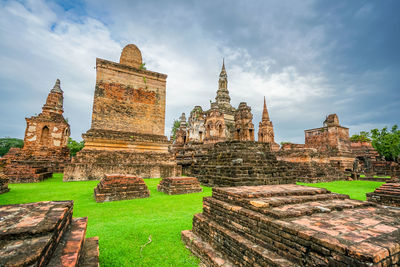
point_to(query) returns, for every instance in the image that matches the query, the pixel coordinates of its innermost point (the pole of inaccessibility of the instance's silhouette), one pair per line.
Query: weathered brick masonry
(128, 120)
(115, 187)
(179, 185)
(45, 143)
(291, 225)
(45, 234)
(236, 163)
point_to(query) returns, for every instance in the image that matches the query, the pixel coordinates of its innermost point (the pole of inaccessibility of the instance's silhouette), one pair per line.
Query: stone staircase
(292, 225)
(387, 194)
(45, 234)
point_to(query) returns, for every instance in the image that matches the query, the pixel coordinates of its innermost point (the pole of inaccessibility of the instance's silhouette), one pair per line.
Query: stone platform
(387, 194)
(292, 225)
(115, 187)
(92, 164)
(45, 234)
(179, 185)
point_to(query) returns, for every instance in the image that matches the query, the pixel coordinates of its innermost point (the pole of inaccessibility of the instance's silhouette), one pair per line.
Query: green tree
(387, 143)
(7, 143)
(361, 137)
(74, 146)
(175, 127)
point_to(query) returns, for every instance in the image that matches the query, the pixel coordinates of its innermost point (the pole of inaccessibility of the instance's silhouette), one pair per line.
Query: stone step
(69, 248)
(90, 253)
(207, 254)
(232, 244)
(309, 208)
(30, 232)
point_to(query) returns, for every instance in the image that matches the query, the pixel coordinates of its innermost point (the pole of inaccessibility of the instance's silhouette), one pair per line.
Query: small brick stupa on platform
(128, 119)
(115, 187)
(45, 143)
(45, 234)
(387, 194)
(179, 185)
(292, 225)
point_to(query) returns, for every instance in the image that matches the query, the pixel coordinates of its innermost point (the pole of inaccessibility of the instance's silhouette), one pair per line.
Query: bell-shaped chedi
(45, 143)
(128, 122)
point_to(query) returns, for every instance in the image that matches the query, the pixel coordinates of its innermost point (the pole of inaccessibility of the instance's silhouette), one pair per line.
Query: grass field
(355, 189)
(124, 226)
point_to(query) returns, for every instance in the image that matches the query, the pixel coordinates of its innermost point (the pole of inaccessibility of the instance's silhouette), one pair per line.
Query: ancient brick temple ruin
(328, 145)
(292, 225)
(222, 122)
(45, 143)
(179, 185)
(128, 119)
(114, 187)
(45, 234)
(325, 156)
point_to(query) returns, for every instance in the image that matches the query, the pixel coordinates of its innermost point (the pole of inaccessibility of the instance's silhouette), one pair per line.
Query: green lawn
(355, 189)
(124, 226)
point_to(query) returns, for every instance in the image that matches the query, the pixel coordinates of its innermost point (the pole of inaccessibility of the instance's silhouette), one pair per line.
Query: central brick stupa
(128, 121)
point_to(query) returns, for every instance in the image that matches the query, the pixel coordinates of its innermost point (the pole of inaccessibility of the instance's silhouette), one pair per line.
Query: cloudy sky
(309, 58)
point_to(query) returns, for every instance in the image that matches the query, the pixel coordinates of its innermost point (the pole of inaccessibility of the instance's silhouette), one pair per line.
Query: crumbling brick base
(292, 225)
(115, 187)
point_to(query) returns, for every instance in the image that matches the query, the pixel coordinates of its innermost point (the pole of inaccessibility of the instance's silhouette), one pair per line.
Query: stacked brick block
(45, 234)
(292, 225)
(115, 187)
(387, 194)
(179, 185)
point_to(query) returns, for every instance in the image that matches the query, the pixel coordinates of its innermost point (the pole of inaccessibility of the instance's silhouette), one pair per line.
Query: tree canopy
(7, 143)
(175, 127)
(363, 136)
(387, 143)
(74, 146)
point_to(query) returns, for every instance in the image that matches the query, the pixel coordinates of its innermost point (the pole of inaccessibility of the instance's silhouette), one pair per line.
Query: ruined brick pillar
(128, 121)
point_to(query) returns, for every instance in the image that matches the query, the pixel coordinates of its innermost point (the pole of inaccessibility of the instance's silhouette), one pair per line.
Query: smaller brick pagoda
(45, 143)
(114, 187)
(45, 234)
(179, 185)
(387, 194)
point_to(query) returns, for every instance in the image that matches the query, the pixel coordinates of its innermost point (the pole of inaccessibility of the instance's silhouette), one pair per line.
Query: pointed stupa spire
(57, 87)
(223, 71)
(265, 115)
